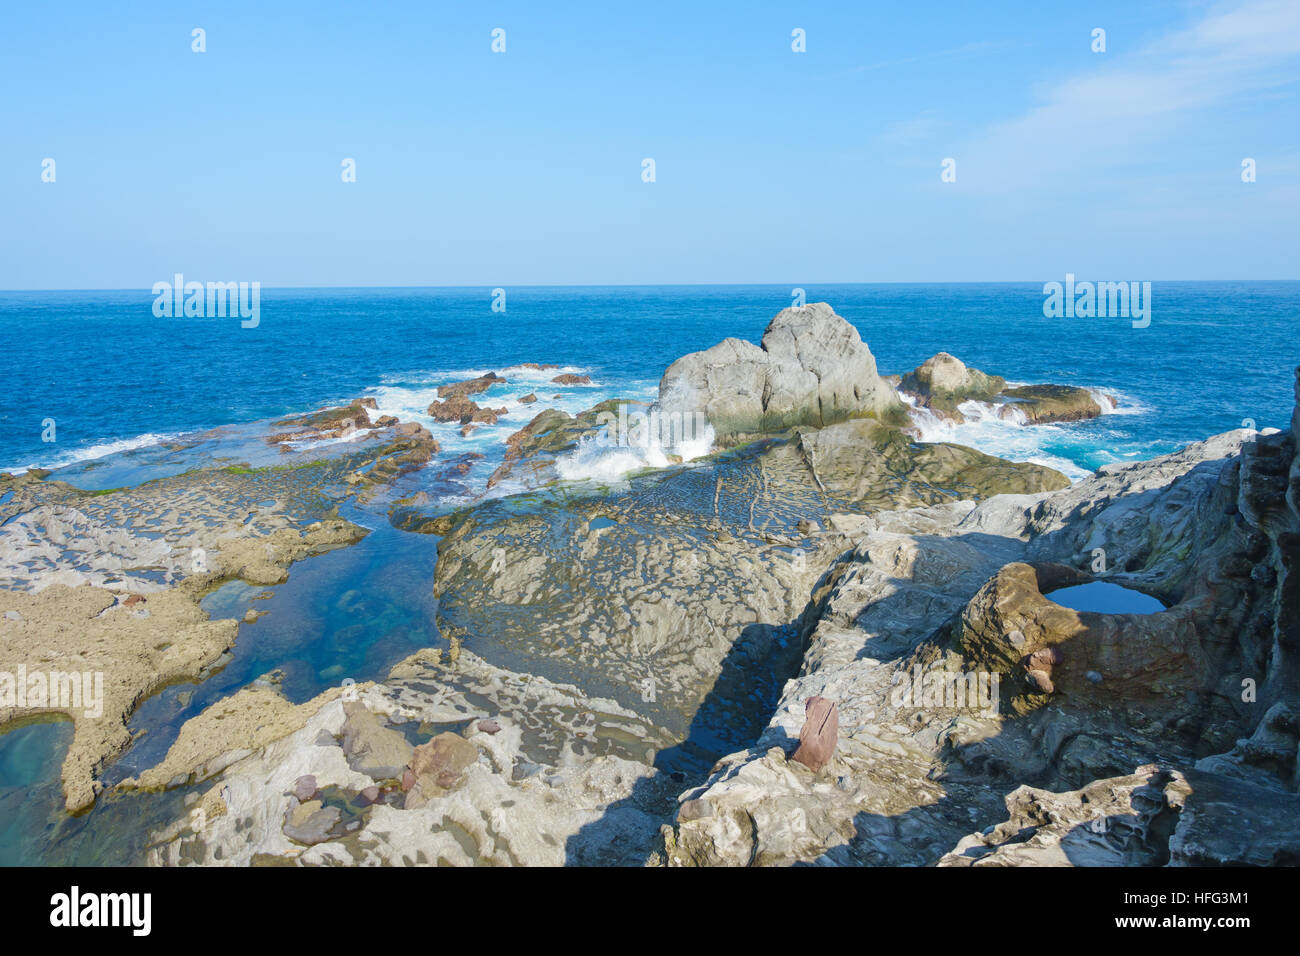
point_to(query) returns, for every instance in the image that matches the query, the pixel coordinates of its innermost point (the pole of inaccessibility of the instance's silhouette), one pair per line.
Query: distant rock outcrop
(943, 382)
(471, 386)
(1041, 404)
(812, 369)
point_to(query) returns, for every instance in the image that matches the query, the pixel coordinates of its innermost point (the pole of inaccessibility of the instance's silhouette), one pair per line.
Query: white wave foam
(598, 459)
(513, 373)
(1113, 402)
(996, 429)
(100, 450)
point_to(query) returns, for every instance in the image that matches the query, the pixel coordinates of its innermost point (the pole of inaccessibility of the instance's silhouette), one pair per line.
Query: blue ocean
(116, 381)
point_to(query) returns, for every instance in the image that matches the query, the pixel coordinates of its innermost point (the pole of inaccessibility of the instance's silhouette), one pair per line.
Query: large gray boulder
(812, 369)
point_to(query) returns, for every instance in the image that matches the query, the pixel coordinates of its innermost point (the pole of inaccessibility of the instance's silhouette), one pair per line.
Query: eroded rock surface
(552, 776)
(812, 368)
(949, 592)
(943, 382)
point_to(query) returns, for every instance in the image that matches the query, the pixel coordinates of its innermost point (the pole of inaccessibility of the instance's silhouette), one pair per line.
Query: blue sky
(475, 168)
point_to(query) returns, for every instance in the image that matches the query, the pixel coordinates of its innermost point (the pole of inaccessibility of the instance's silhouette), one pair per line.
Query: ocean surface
(122, 388)
(114, 378)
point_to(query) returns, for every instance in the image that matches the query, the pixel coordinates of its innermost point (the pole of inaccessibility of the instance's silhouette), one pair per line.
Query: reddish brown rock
(470, 386)
(458, 408)
(133, 599)
(568, 378)
(438, 766)
(1041, 680)
(1045, 658)
(328, 423)
(821, 728)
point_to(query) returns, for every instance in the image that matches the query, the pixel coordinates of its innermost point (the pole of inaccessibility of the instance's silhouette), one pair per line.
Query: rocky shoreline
(629, 666)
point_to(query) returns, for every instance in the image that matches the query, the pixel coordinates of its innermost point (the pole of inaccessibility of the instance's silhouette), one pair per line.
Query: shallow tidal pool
(1103, 597)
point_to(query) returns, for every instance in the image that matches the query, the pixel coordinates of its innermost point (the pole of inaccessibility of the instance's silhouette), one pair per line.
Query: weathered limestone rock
(1156, 816)
(943, 382)
(565, 779)
(812, 369)
(530, 452)
(327, 423)
(228, 731)
(956, 590)
(653, 592)
(104, 659)
(1051, 403)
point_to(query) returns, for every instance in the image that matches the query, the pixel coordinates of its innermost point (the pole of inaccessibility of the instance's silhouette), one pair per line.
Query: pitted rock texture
(811, 369)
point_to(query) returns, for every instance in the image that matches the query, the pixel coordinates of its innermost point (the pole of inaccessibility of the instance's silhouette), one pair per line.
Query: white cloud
(1105, 116)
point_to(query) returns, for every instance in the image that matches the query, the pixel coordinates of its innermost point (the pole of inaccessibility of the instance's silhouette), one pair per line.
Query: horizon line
(652, 285)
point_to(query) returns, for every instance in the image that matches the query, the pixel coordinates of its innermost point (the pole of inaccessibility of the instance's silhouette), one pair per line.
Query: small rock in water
(821, 728)
(1093, 676)
(304, 788)
(489, 726)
